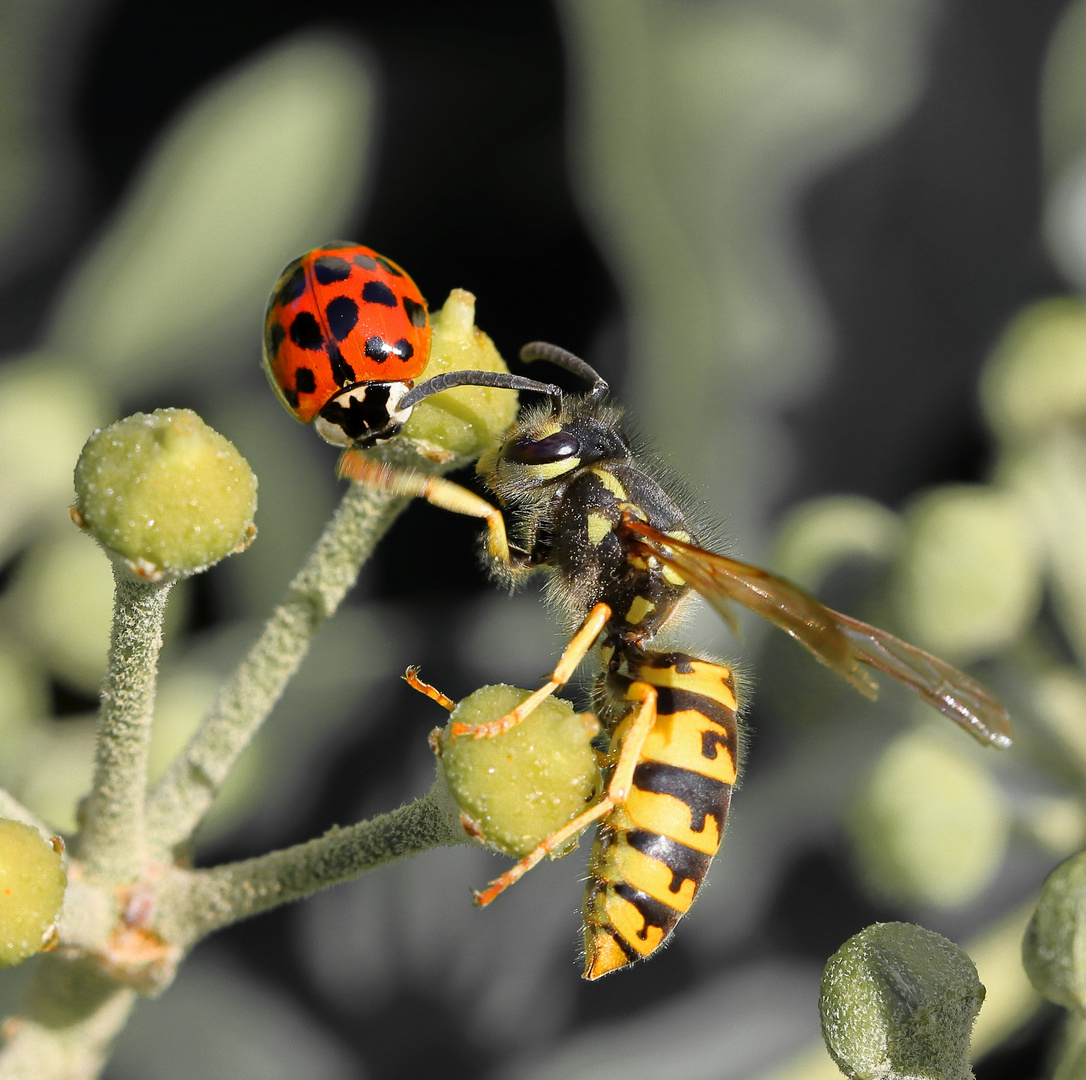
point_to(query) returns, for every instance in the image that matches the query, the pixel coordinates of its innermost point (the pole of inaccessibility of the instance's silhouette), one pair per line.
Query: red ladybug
(346, 334)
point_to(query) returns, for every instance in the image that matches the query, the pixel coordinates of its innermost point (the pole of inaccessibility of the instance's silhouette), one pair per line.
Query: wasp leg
(617, 791)
(633, 742)
(411, 677)
(551, 843)
(575, 652)
(441, 493)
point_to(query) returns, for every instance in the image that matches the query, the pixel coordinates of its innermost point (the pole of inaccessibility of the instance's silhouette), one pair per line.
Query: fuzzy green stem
(182, 797)
(198, 902)
(69, 1017)
(112, 841)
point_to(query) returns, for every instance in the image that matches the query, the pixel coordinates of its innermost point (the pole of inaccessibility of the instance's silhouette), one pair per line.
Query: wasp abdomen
(654, 849)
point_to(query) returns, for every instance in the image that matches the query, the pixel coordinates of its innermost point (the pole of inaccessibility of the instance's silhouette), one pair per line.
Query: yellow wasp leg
(575, 652)
(617, 790)
(411, 677)
(444, 494)
(551, 843)
(633, 743)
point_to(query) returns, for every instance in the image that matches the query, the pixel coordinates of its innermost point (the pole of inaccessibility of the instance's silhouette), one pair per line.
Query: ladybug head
(364, 415)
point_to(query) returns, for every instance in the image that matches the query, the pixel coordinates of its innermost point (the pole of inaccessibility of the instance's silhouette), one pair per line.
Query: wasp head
(544, 449)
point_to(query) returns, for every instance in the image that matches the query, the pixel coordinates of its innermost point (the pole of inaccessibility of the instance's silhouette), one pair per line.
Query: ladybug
(346, 334)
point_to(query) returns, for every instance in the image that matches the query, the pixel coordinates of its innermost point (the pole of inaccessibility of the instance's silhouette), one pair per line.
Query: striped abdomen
(653, 851)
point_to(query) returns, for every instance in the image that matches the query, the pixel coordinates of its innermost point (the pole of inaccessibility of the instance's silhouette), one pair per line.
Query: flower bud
(462, 422)
(517, 788)
(32, 882)
(969, 580)
(165, 494)
(899, 1001)
(820, 534)
(929, 825)
(1054, 946)
(1036, 377)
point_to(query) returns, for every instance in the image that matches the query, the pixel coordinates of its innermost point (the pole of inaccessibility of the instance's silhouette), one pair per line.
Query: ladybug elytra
(346, 334)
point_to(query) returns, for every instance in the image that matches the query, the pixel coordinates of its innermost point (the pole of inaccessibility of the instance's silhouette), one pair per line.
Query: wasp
(621, 554)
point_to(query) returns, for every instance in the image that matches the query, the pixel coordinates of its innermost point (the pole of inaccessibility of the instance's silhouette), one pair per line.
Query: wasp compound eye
(556, 447)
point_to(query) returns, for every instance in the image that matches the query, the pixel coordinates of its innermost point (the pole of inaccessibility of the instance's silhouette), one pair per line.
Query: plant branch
(181, 798)
(111, 844)
(70, 1014)
(198, 902)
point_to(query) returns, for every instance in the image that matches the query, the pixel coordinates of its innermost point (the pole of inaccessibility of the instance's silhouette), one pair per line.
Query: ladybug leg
(441, 493)
(574, 653)
(411, 677)
(617, 792)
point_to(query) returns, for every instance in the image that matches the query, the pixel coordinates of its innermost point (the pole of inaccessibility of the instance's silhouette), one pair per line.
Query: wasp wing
(840, 642)
(946, 688)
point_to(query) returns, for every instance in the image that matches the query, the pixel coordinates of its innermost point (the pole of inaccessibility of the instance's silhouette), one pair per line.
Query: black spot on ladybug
(292, 284)
(365, 418)
(305, 332)
(329, 268)
(304, 381)
(367, 262)
(342, 315)
(276, 336)
(342, 372)
(379, 350)
(377, 292)
(416, 312)
(291, 396)
(392, 268)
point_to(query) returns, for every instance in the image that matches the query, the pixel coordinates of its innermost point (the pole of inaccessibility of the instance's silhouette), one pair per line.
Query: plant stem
(198, 902)
(111, 844)
(182, 797)
(70, 1015)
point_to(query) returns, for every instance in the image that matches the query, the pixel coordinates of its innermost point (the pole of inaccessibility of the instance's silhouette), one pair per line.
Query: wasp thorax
(364, 415)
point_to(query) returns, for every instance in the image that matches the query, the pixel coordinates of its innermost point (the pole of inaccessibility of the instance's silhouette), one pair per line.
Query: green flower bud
(459, 423)
(518, 788)
(62, 600)
(36, 475)
(1036, 377)
(969, 580)
(32, 882)
(897, 1002)
(1054, 946)
(821, 533)
(165, 494)
(929, 825)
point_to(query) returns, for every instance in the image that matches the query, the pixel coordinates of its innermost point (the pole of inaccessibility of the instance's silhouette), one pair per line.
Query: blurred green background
(829, 254)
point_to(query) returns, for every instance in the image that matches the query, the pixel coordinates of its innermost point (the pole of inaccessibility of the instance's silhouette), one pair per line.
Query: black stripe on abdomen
(684, 862)
(672, 699)
(652, 911)
(704, 795)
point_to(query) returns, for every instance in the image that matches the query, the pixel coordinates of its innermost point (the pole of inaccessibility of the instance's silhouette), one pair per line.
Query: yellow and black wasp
(621, 554)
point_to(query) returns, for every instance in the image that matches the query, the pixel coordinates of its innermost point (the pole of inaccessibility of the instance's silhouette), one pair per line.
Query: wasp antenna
(542, 350)
(502, 380)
